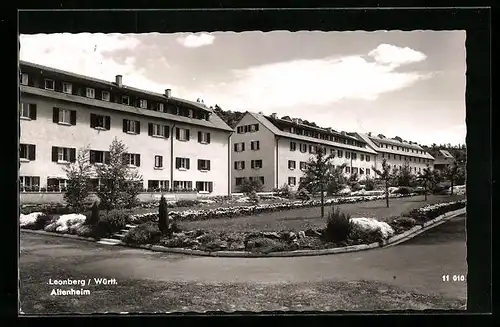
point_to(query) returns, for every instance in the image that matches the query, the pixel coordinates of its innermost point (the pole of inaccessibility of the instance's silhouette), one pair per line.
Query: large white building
(397, 151)
(174, 143)
(276, 150)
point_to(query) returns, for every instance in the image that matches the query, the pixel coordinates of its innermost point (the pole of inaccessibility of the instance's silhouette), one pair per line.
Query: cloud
(195, 41)
(393, 55)
(319, 82)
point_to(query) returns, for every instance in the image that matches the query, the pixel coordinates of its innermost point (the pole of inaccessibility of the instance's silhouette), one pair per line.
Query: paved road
(417, 264)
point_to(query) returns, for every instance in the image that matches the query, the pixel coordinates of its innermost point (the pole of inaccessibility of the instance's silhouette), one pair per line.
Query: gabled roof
(112, 84)
(373, 145)
(276, 131)
(446, 154)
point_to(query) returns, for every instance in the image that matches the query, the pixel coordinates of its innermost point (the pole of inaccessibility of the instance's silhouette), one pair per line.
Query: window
(354, 170)
(254, 145)
(64, 116)
(303, 148)
(362, 157)
(190, 113)
(256, 164)
(332, 152)
(60, 154)
(239, 165)
(354, 156)
(203, 164)
(418, 169)
(419, 159)
(99, 157)
(303, 165)
(133, 159)
(240, 130)
(131, 126)
(291, 164)
(182, 163)
(312, 149)
(347, 155)
(160, 107)
(254, 127)
(24, 79)
(158, 185)
(368, 171)
(361, 171)
(29, 183)
(143, 104)
(367, 157)
(340, 153)
(203, 137)
(239, 180)
(158, 130)
(205, 187)
(400, 158)
(292, 181)
(100, 122)
(293, 146)
(56, 184)
(158, 161)
(90, 92)
(49, 84)
(239, 147)
(182, 134)
(125, 100)
(67, 88)
(28, 110)
(347, 169)
(105, 96)
(183, 185)
(27, 151)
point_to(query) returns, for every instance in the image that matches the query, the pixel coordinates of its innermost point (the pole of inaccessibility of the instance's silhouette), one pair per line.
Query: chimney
(329, 129)
(295, 120)
(273, 116)
(299, 120)
(369, 134)
(168, 93)
(342, 133)
(118, 80)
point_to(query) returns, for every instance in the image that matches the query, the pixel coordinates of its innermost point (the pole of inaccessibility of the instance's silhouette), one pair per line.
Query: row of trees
(121, 184)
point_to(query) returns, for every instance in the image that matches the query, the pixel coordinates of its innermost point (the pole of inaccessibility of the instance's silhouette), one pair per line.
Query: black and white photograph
(254, 171)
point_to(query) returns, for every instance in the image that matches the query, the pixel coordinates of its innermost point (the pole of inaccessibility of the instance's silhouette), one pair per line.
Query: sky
(397, 83)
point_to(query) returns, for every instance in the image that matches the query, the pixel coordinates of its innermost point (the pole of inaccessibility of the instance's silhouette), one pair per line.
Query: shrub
(111, 222)
(404, 190)
(187, 203)
(147, 233)
(369, 184)
(355, 186)
(264, 245)
(337, 226)
(163, 216)
(253, 197)
(250, 185)
(84, 231)
(405, 222)
(283, 191)
(303, 194)
(93, 218)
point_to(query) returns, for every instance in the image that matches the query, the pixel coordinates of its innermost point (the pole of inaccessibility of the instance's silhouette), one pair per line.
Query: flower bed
(248, 210)
(432, 211)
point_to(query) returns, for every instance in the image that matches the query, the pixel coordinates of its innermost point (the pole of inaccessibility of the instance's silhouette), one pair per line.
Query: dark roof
(112, 84)
(374, 146)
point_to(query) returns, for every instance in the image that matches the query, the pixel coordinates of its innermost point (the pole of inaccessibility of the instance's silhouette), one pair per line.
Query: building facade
(176, 144)
(276, 150)
(443, 159)
(397, 152)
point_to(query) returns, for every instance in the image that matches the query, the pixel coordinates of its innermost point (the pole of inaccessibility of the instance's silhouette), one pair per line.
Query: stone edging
(394, 240)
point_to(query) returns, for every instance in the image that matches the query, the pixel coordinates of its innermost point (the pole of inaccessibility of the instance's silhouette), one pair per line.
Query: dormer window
(105, 95)
(49, 84)
(24, 79)
(161, 107)
(90, 93)
(125, 100)
(143, 104)
(67, 88)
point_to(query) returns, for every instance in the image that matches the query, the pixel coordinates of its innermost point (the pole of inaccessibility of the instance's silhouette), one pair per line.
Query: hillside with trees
(229, 117)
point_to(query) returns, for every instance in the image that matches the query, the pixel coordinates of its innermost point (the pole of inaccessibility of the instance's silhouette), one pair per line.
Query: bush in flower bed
(435, 210)
(248, 210)
(402, 224)
(338, 226)
(146, 233)
(34, 220)
(111, 222)
(404, 190)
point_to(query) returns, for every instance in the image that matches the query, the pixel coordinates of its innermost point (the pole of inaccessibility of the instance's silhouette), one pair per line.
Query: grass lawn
(304, 218)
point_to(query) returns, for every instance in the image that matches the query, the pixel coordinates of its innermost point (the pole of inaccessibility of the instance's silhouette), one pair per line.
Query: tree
(163, 216)
(336, 180)
(78, 183)
(318, 174)
(250, 185)
(427, 177)
(385, 175)
(120, 182)
(452, 173)
(404, 176)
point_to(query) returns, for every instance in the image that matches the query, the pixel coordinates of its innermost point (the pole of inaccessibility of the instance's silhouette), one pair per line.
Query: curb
(394, 240)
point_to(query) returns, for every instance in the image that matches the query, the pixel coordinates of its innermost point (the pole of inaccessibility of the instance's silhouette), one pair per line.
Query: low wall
(57, 197)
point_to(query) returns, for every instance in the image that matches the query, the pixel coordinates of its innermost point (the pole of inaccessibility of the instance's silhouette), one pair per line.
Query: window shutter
(55, 115)
(31, 153)
(107, 124)
(150, 129)
(198, 186)
(125, 125)
(187, 134)
(235, 147)
(32, 111)
(256, 127)
(177, 133)
(236, 165)
(187, 163)
(54, 153)
(199, 164)
(252, 145)
(258, 145)
(242, 165)
(177, 162)
(199, 136)
(167, 131)
(73, 117)
(138, 160)
(138, 127)
(161, 161)
(72, 155)
(107, 157)
(208, 164)
(92, 120)
(252, 163)
(210, 187)
(92, 156)
(208, 137)
(243, 146)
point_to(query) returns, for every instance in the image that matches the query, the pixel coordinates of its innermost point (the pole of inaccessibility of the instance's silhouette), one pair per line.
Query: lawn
(304, 218)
